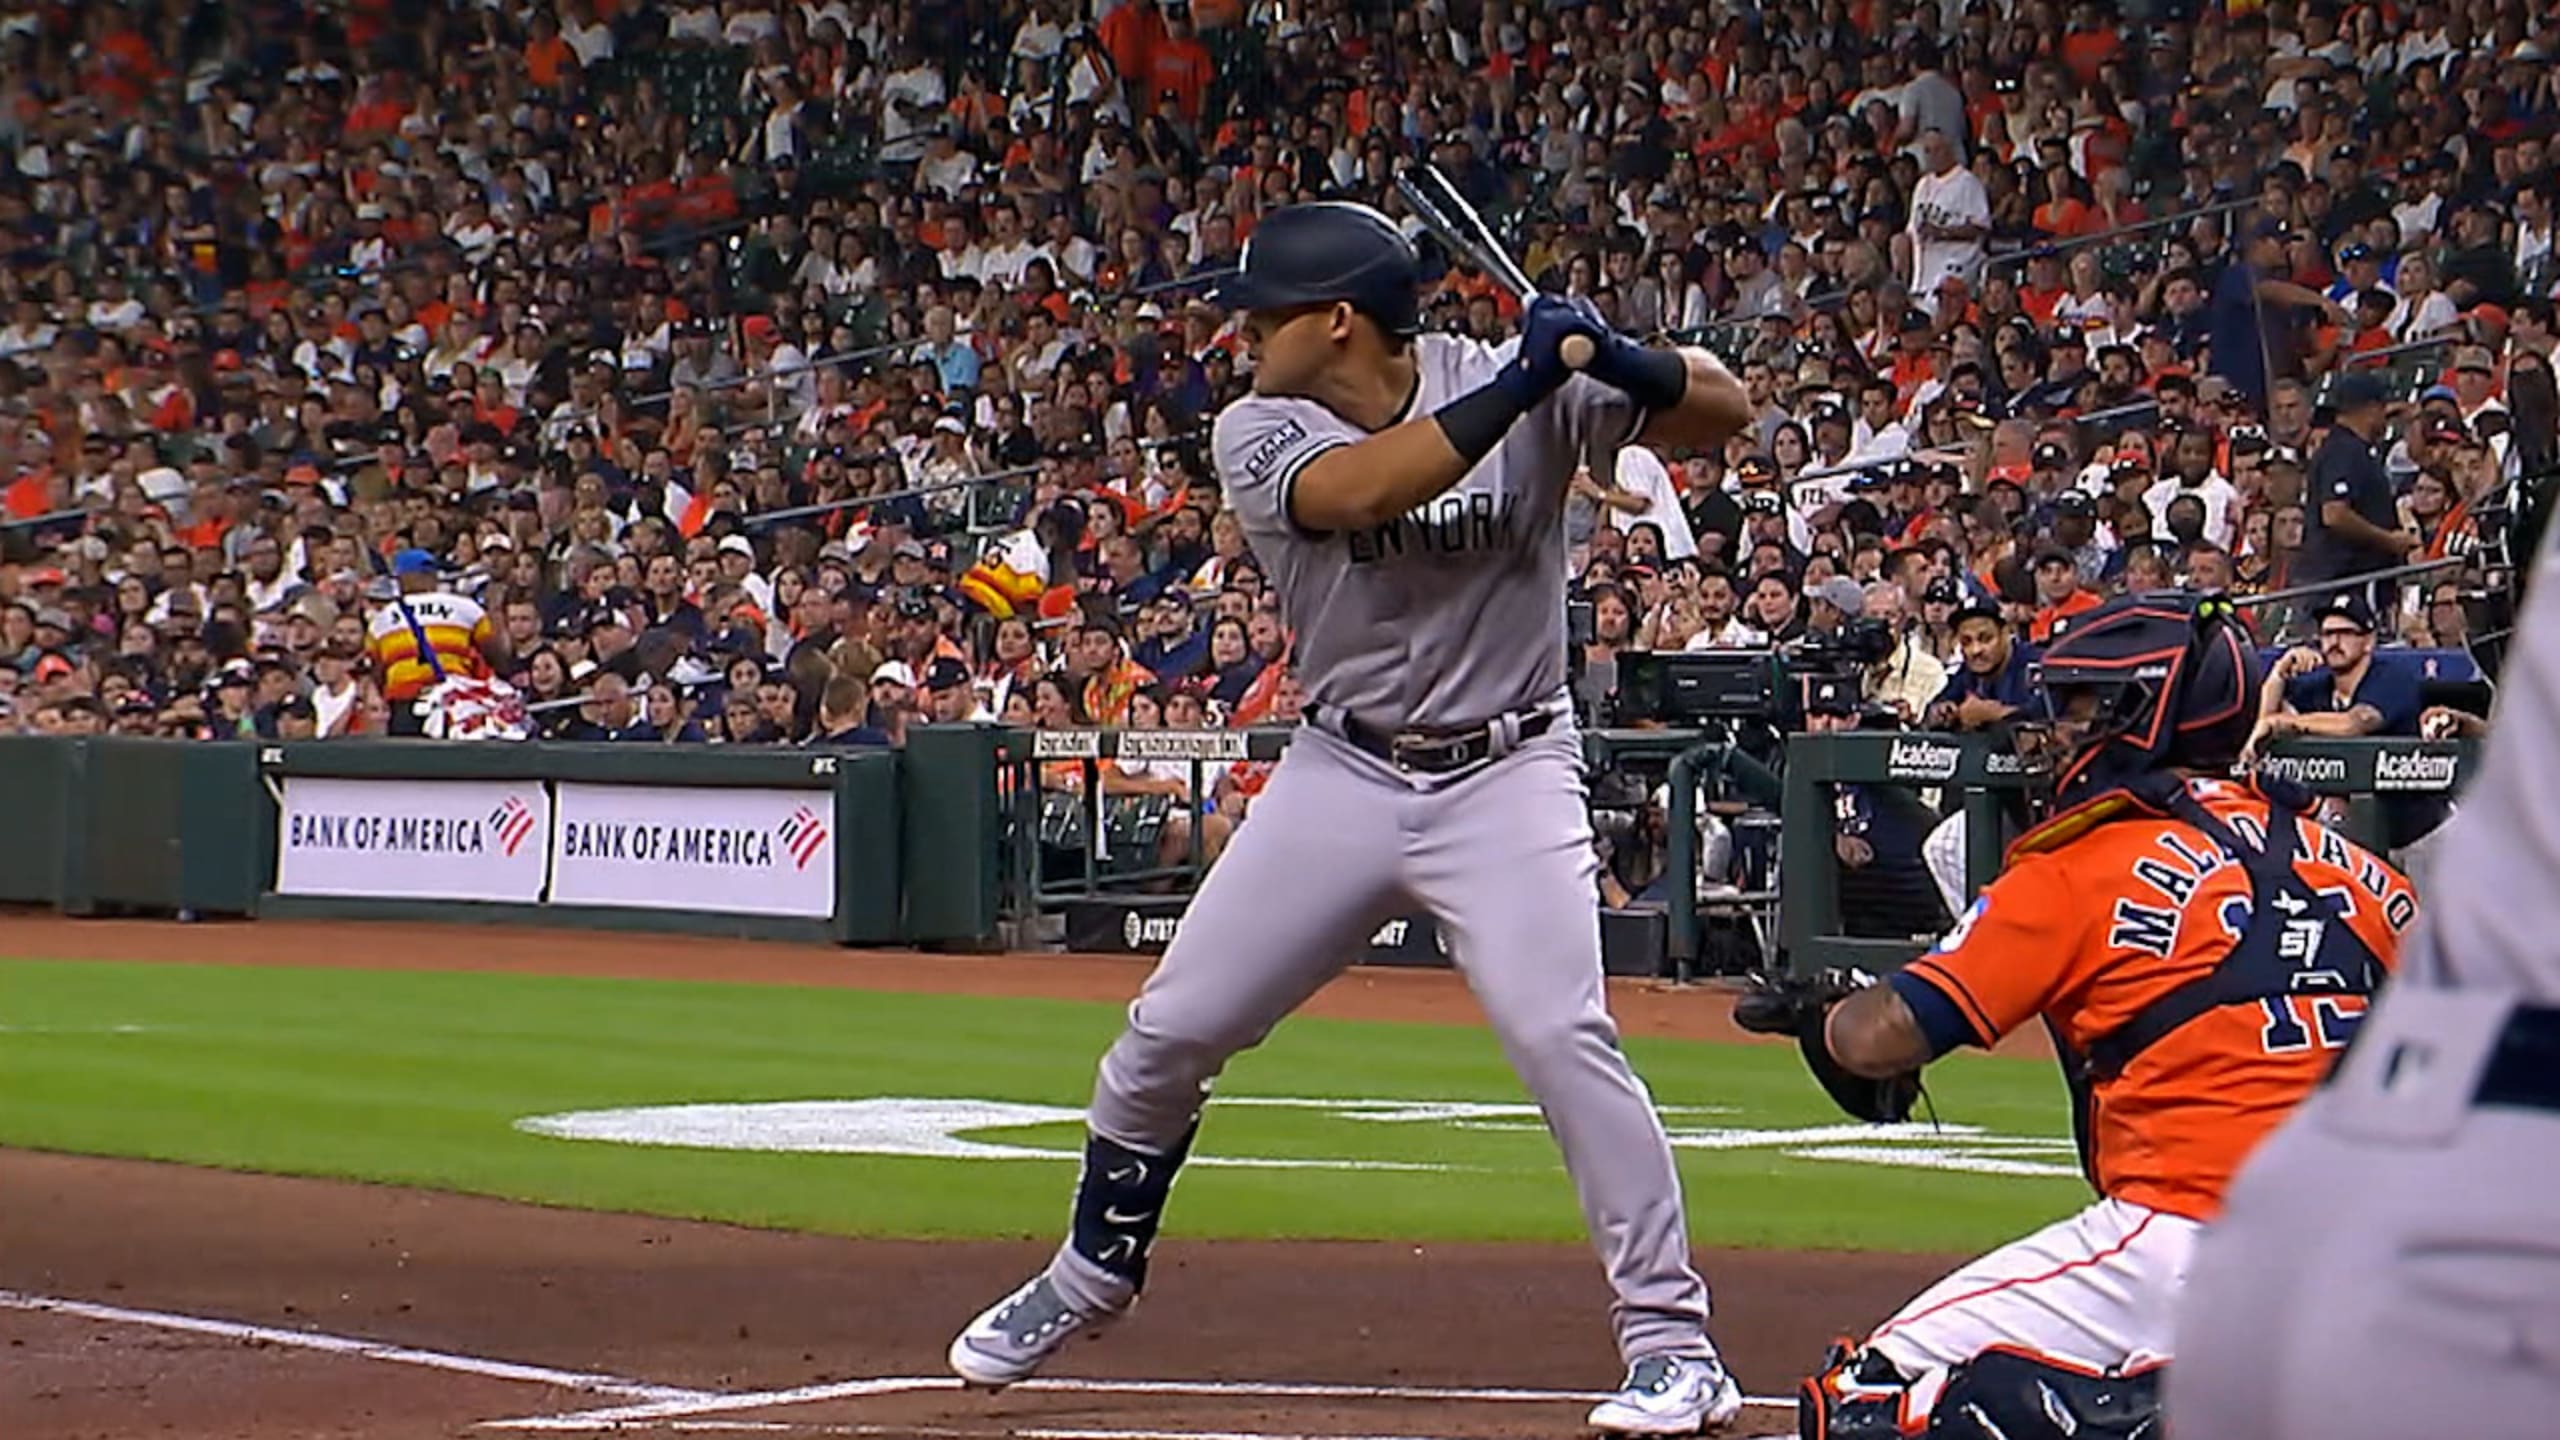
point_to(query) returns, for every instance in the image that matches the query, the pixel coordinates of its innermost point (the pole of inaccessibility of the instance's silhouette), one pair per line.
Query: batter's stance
(1406, 492)
(2408, 1216)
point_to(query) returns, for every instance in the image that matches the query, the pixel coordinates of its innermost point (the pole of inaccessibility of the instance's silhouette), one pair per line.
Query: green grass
(418, 1078)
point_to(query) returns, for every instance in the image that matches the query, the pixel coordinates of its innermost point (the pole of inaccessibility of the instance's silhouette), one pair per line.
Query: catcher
(2200, 952)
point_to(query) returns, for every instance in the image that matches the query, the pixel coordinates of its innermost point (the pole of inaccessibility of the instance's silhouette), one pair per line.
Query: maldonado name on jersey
(1450, 525)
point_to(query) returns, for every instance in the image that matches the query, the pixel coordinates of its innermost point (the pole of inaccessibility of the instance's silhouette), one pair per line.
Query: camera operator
(1908, 677)
(1885, 888)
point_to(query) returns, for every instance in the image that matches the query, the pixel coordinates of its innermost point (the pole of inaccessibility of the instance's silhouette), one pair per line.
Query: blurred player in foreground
(2407, 1215)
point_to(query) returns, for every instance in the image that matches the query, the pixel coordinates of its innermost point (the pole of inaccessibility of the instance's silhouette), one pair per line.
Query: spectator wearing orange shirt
(1112, 677)
(547, 58)
(1130, 35)
(1179, 71)
(2059, 594)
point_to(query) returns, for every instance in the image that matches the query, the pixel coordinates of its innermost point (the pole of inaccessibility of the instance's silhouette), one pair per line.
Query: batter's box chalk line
(646, 1406)
(664, 1413)
(1011, 1432)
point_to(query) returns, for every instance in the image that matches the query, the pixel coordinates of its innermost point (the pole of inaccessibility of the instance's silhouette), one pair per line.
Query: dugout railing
(1094, 870)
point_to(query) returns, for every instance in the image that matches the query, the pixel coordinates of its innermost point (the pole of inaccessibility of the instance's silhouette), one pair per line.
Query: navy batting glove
(1654, 379)
(1538, 370)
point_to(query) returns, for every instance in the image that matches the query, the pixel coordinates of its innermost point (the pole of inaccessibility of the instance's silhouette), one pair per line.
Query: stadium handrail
(2118, 234)
(2349, 582)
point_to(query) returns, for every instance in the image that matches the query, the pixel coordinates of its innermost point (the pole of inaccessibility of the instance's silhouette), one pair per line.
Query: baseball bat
(1455, 223)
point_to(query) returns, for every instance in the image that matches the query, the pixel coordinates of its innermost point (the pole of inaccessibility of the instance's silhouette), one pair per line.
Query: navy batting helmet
(2177, 683)
(1328, 250)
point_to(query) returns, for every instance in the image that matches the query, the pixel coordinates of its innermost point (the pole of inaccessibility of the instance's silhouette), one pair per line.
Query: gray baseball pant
(1501, 856)
(2388, 1264)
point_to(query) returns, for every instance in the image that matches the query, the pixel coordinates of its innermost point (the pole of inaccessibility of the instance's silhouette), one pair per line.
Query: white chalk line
(659, 1412)
(1017, 1432)
(678, 1408)
(1012, 1433)
(590, 1383)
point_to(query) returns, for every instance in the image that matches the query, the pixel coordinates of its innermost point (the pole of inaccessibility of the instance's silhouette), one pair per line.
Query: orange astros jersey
(454, 626)
(2092, 922)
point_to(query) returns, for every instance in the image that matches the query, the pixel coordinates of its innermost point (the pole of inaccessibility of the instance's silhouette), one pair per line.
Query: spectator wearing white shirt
(737, 559)
(2191, 473)
(1071, 257)
(946, 167)
(911, 101)
(750, 23)
(115, 308)
(2424, 311)
(1040, 37)
(1878, 435)
(1008, 249)
(1723, 628)
(1950, 215)
(1642, 475)
(699, 22)
(585, 33)
(29, 331)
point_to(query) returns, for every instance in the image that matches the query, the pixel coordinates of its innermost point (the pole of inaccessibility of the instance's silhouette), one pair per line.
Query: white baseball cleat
(1011, 1339)
(1670, 1395)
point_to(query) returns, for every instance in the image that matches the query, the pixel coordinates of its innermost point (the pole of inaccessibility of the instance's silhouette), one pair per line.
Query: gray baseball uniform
(2385, 1265)
(1450, 616)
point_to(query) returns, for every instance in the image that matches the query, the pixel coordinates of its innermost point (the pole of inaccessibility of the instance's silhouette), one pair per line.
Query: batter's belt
(1439, 750)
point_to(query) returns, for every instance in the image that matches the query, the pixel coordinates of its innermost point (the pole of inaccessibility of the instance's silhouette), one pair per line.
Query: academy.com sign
(757, 852)
(2413, 770)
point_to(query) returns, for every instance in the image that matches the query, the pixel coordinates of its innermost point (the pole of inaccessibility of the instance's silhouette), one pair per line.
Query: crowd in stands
(349, 346)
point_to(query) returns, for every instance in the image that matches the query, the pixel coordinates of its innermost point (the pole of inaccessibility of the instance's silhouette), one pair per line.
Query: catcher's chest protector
(2290, 939)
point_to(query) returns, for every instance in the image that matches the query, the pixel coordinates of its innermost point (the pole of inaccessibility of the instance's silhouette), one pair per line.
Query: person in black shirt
(2348, 687)
(2359, 202)
(841, 708)
(2478, 266)
(2351, 521)
(1885, 890)
(1996, 682)
(1710, 511)
(665, 599)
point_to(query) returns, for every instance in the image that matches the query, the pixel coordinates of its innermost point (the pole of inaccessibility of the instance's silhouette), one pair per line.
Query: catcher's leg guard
(1858, 1396)
(2011, 1394)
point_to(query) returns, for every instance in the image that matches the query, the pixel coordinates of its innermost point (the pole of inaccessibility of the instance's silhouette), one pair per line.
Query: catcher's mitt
(1798, 1005)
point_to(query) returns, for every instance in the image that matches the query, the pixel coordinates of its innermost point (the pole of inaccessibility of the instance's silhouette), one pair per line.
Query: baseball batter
(1406, 493)
(2386, 1265)
(2201, 951)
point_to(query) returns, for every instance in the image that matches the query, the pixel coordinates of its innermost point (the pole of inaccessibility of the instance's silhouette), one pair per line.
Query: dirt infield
(154, 1300)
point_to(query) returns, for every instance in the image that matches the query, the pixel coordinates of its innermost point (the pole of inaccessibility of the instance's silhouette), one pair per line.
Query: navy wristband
(1654, 379)
(1476, 421)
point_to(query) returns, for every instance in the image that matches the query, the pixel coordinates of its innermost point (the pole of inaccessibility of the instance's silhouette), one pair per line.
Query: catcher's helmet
(2177, 681)
(1328, 250)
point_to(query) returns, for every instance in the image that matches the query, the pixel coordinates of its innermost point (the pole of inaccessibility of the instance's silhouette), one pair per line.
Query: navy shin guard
(1120, 1201)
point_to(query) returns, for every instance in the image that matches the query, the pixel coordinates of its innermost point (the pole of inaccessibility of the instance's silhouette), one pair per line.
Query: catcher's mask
(2176, 682)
